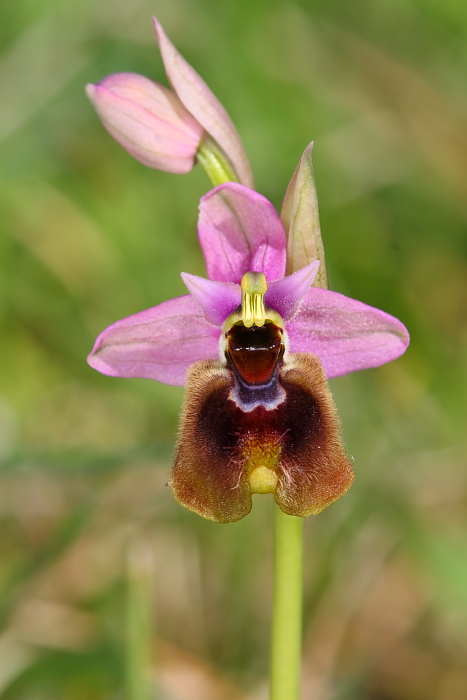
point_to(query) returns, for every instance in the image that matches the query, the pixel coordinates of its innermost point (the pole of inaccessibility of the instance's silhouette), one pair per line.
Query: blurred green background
(103, 577)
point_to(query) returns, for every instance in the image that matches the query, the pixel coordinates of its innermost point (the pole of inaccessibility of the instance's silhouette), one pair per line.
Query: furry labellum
(262, 422)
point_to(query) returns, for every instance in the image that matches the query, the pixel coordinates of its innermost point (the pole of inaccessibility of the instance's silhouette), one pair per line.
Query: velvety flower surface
(163, 128)
(255, 349)
(293, 449)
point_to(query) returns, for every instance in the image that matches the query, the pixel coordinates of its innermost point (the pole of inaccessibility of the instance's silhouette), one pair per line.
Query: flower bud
(148, 120)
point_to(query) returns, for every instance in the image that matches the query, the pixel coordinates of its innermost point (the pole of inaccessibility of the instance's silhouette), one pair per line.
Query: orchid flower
(170, 129)
(254, 349)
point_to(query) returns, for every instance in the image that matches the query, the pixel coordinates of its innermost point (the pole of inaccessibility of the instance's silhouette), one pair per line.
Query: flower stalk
(286, 637)
(139, 613)
(214, 163)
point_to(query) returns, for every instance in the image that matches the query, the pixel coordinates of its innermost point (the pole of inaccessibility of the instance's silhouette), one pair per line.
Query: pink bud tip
(148, 120)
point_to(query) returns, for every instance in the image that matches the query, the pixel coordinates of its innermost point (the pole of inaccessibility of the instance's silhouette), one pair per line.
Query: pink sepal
(159, 343)
(347, 335)
(240, 231)
(203, 105)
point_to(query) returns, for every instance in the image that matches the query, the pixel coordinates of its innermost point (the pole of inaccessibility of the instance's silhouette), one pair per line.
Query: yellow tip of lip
(254, 287)
(263, 480)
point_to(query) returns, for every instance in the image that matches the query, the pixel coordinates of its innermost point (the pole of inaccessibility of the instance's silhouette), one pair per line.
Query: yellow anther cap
(254, 287)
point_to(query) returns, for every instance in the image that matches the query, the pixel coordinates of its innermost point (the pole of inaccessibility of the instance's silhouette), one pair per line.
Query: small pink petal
(286, 294)
(217, 299)
(160, 343)
(203, 105)
(345, 334)
(240, 231)
(148, 120)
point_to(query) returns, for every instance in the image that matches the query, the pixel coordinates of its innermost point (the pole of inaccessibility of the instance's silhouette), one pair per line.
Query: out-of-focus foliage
(89, 534)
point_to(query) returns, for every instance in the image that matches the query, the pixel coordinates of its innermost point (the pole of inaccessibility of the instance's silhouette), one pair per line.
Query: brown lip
(221, 445)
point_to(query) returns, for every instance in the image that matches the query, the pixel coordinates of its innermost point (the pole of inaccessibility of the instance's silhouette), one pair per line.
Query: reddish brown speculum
(255, 352)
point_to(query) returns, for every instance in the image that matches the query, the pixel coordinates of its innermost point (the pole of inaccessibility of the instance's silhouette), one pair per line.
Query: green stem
(139, 638)
(287, 610)
(212, 159)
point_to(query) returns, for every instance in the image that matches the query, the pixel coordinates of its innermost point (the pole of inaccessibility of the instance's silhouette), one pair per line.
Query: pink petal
(240, 231)
(148, 120)
(203, 105)
(160, 343)
(286, 294)
(217, 299)
(345, 334)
